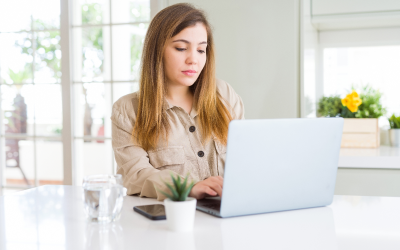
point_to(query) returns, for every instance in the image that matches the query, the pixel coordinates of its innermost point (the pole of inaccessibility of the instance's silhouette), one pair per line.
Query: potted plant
(179, 208)
(361, 113)
(394, 131)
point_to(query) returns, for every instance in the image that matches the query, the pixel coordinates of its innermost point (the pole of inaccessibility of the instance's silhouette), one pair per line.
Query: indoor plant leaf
(185, 194)
(179, 190)
(173, 190)
(177, 183)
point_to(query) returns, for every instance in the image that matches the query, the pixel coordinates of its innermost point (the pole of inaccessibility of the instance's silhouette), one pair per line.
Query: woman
(178, 120)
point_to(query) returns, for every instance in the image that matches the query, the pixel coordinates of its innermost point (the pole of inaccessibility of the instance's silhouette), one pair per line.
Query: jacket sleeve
(139, 176)
(238, 108)
(232, 100)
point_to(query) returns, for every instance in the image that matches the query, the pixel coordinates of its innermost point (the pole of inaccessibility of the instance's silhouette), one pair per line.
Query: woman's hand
(211, 186)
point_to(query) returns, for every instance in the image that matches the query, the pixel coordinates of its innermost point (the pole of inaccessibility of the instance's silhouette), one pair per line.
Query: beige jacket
(142, 170)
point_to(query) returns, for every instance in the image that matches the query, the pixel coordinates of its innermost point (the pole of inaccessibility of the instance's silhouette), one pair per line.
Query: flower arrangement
(367, 104)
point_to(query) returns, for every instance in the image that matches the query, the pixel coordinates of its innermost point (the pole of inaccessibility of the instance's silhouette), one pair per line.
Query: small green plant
(330, 106)
(394, 122)
(371, 106)
(179, 190)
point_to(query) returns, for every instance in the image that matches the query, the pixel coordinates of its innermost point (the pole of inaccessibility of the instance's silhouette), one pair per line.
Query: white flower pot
(394, 135)
(180, 214)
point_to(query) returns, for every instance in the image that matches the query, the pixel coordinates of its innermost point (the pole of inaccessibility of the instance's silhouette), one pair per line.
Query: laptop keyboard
(213, 206)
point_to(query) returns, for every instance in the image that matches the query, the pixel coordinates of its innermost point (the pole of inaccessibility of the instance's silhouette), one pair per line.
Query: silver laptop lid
(280, 164)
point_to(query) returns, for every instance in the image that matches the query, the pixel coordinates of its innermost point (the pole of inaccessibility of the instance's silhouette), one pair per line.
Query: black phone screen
(154, 212)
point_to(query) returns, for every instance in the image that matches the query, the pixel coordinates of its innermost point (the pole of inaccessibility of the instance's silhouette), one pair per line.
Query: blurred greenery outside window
(30, 68)
(110, 54)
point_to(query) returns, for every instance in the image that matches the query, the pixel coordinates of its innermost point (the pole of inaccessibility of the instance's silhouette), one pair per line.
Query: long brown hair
(151, 119)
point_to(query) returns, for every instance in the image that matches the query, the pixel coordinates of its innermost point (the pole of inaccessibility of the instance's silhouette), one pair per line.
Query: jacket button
(192, 129)
(200, 153)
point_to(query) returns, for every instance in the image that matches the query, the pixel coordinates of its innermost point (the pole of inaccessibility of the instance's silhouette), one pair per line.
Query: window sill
(384, 157)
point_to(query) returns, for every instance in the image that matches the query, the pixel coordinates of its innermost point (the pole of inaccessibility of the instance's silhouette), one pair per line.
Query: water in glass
(103, 197)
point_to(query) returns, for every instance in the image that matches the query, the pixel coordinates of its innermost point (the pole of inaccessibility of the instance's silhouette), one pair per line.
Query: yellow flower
(352, 101)
(345, 101)
(353, 108)
(354, 94)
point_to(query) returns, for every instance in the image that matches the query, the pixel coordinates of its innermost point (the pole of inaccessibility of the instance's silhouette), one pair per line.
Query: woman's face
(185, 55)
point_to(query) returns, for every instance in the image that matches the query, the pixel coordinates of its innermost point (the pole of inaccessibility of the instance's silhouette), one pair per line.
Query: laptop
(278, 165)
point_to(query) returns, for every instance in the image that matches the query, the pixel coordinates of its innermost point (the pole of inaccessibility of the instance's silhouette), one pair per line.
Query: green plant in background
(20, 76)
(47, 53)
(394, 122)
(57, 130)
(330, 106)
(179, 190)
(370, 107)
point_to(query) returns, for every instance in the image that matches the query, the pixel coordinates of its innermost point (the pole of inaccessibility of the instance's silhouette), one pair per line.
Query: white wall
(329, 7)
(355, 14)
(257, 46)
(360, 37)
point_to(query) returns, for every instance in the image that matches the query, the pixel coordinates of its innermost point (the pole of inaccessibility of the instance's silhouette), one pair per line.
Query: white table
(52, 217)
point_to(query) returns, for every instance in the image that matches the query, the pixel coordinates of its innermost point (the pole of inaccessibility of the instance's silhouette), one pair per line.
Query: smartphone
(153, 212)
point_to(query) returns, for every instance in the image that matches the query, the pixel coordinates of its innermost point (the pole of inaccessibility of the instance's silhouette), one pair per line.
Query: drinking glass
(103, 197)
(118, 179)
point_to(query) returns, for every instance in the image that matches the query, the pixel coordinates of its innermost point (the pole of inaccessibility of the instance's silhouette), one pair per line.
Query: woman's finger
(221, 180)
(216, 187)
(209, 191)
(217, 179)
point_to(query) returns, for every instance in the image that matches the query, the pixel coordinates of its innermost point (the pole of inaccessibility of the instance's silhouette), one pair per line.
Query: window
(359, 57)
(106, 45)
(377, 66)
(31, 110)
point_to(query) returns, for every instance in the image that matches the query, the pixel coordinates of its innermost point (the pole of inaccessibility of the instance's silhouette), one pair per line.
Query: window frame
(341, 38)
(67, 91)
(34, 137)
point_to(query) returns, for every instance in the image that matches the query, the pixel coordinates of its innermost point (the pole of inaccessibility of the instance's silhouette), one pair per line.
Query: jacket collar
(193, 112)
